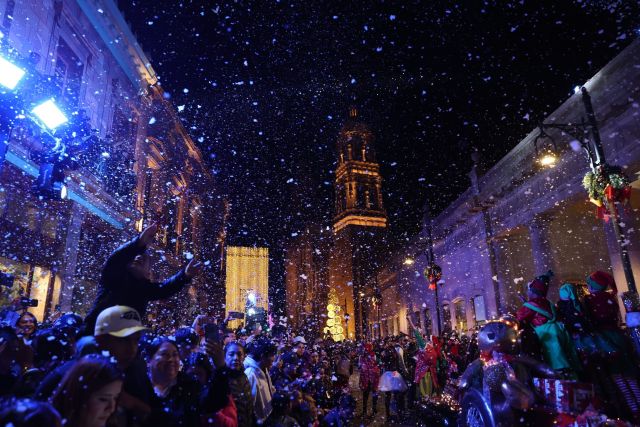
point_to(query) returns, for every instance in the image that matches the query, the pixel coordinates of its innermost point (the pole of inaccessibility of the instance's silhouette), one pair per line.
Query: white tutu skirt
(392, 381)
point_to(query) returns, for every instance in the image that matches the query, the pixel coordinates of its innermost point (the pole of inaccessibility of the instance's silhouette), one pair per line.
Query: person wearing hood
(537, 311)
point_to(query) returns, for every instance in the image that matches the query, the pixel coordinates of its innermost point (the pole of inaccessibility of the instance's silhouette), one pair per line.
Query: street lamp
(409, 261)
(587, 136)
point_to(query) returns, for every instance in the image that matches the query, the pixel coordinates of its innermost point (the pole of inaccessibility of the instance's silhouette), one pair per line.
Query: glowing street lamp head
(10, 74)
(409, 261)
(49, 114)
(548, 160)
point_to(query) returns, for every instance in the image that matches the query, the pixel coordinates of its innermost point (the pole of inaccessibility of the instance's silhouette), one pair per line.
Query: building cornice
(361, 221)
(109, 23)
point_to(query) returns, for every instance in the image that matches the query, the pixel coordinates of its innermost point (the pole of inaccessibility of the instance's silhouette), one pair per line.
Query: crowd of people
(110, 369)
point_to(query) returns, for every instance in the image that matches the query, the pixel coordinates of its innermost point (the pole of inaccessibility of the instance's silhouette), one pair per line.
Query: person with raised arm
(125, 279)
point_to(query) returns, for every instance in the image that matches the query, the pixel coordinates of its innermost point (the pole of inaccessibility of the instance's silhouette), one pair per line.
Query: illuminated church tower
(359, 223)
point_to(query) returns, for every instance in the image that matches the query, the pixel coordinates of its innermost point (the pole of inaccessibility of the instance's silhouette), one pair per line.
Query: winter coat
(241, 391)
(226, 417)
(261, 388)
(119, 287)
(179, 407)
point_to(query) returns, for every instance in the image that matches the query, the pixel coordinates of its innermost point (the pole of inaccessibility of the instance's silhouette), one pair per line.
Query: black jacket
(118, 287)
(180, 407)
(240, 389)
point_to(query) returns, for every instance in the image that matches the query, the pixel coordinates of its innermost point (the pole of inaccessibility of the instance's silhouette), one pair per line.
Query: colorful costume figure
(557, 348)
(497, 385)
(426, 367)
(572, 315)
(369, 378)
(617, 358)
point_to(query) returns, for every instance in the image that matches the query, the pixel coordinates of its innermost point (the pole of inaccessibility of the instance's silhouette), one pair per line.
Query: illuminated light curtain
(247, 269)
(334, 325)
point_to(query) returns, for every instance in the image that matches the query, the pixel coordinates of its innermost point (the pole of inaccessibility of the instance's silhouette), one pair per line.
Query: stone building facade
(140, 165)
(307, 279)
(518, 220)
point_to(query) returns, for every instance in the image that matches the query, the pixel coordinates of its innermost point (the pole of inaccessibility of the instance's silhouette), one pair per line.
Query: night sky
(264, 87)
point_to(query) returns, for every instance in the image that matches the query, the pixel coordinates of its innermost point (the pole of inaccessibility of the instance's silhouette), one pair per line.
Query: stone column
(70, 257)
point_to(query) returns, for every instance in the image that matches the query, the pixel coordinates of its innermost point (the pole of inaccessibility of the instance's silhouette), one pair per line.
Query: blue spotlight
(49, 114)
(10, 74)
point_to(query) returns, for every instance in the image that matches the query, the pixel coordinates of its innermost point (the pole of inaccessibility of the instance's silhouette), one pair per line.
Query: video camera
(28, 302)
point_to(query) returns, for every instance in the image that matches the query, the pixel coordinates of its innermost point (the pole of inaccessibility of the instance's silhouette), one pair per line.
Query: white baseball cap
(118, 321)
(299, 339)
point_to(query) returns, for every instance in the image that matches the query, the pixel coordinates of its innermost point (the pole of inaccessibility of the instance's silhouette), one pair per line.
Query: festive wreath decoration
(433, 273)
(608, 184)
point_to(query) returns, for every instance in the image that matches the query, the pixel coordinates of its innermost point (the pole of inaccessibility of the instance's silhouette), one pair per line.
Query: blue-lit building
(138, 164)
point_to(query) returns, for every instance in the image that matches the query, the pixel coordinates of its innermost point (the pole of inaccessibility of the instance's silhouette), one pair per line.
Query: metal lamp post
(588, 135)
(433, 279)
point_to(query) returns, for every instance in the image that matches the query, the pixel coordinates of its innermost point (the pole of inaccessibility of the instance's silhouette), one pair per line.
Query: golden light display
(334, 324)
(247, 271)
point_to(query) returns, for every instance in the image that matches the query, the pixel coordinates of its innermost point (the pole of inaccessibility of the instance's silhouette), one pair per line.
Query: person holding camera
(126, 279)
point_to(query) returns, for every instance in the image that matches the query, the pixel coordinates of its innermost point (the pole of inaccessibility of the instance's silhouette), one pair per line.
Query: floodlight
(10, 74)
(49, 113)
(252, 297)
(576, 89)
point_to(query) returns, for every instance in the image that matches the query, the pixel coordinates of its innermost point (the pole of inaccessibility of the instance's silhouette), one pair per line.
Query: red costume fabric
(426, 361)
(602, 309)
(369, 371)
(526, 315)
(226, 417)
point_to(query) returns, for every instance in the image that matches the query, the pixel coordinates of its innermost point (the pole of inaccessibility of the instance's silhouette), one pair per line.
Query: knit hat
(540, 285)
(567, 292)
(600, 280)
(368, 347)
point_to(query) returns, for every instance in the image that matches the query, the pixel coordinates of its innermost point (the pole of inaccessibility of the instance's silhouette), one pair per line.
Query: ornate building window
(460, 310)
(427, 320)
(68, 74)
(479, 309)
(446, 317)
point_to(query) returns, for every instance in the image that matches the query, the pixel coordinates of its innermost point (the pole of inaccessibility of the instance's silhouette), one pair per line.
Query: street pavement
(407, 419)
